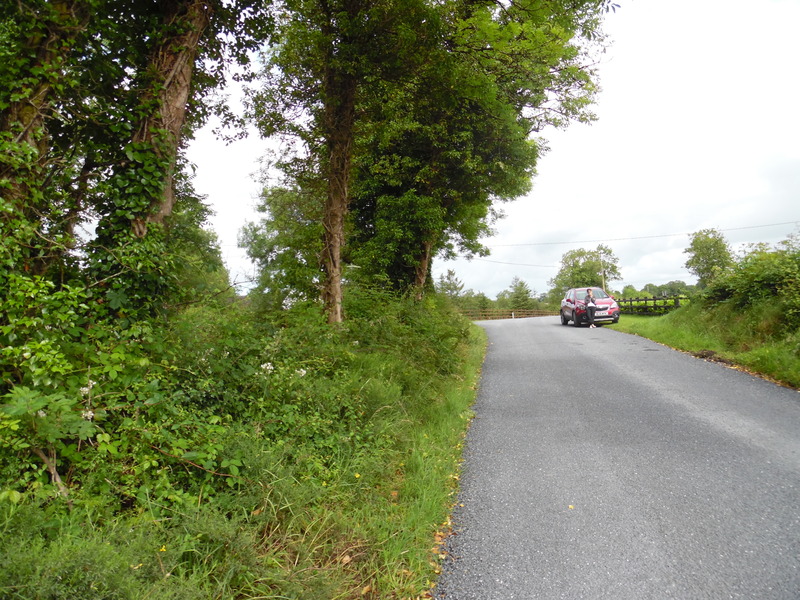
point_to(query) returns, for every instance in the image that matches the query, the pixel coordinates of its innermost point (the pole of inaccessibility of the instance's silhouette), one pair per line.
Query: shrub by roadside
(246, 455)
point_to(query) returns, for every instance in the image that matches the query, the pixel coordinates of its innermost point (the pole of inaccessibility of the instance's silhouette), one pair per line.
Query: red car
(573, 307)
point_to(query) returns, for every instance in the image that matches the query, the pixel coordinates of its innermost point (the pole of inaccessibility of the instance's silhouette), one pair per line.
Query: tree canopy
(408, 143)
(584, 268)
(709, 255)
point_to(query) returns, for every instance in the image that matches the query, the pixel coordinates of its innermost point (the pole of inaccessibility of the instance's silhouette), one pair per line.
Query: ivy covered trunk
(171, 68)
(24, 144)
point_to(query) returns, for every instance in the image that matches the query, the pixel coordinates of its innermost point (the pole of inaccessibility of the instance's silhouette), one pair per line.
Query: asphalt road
(603, 465)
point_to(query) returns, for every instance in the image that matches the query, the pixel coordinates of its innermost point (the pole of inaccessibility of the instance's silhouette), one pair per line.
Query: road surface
(603, 465)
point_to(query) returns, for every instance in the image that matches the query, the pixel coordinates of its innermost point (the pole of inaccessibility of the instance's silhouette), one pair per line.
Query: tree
(630, 291)
(520, 296)
(444, 145)
(709, 256)
(285, 245)
(450, 285)
(586, 268)
(503, 300)
(326, 56)
(94, 108)
(650, 289)
(474, 301)
(438, 151)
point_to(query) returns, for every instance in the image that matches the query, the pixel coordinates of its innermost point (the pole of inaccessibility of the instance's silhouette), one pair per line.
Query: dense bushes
(231, 453)
(768, 276)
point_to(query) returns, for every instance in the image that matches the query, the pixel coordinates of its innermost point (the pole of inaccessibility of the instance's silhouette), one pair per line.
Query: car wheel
(564, 319)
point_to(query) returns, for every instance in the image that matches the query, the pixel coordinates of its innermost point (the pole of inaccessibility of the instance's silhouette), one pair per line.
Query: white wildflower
(42, 414)
(301, 372)
(88, 415)
(267, 367)
(87, 388)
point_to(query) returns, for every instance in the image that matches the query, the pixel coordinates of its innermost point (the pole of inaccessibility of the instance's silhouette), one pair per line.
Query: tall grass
(334, 470)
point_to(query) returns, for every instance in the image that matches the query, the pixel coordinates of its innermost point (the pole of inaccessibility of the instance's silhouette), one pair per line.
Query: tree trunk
(339, 97)
(339, 113)
(25, 119)
(172, 67)
(421, 269)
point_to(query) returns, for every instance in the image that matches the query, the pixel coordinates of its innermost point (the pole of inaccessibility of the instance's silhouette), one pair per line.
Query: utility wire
(498, 262)
(643, 237)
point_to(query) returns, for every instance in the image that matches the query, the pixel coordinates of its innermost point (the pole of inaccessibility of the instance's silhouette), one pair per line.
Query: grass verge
(750, 339)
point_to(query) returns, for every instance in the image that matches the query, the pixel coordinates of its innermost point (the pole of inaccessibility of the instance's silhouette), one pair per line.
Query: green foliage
(449, 285)
(440, 146)
(650, 290)
(586, 268)
(762, 276)
(521, 296)
(222, 454)
(709, 256)
(82, 142)
(285, 245)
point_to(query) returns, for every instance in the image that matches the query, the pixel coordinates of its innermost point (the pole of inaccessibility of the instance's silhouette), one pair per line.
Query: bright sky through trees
(696, 130)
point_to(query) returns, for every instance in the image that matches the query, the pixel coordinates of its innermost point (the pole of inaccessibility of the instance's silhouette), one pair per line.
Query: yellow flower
(357, 475)
(162, 549)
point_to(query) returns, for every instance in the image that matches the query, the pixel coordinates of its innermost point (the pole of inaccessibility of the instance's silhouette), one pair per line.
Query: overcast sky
(698, 128)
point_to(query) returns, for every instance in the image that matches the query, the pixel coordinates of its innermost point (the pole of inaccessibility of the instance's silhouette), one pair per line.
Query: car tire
(564, 319)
